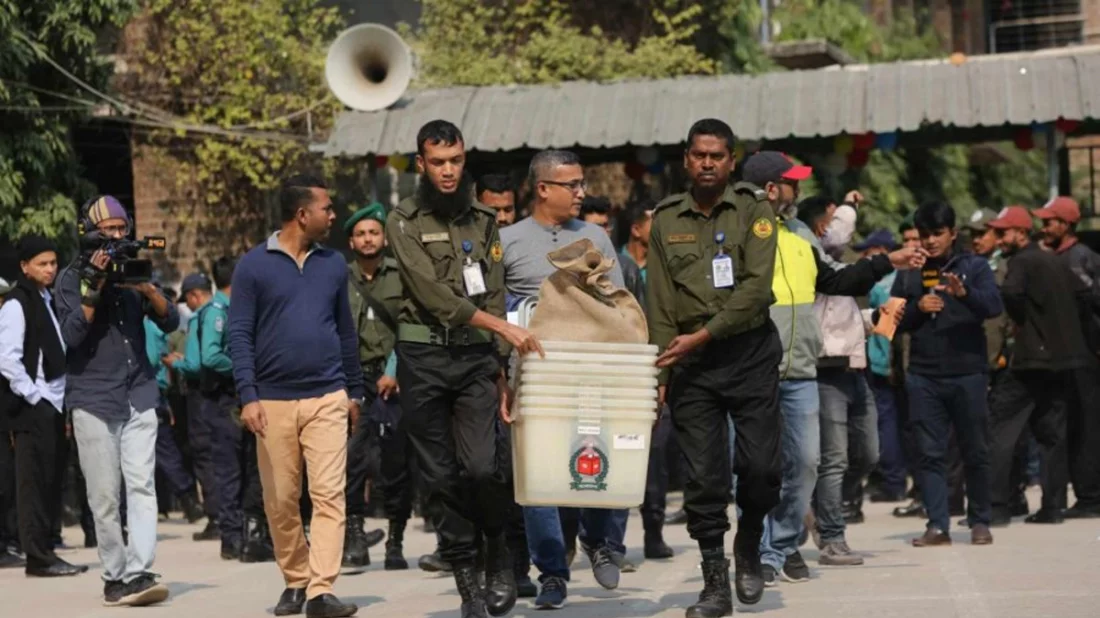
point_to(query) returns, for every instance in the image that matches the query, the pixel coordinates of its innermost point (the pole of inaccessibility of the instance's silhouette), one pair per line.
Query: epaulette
(747, 187)
(407, 207)
(671, 200)
(485, 210)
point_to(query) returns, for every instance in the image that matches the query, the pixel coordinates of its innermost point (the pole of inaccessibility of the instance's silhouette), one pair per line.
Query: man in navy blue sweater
(949, 301)
(296, 367)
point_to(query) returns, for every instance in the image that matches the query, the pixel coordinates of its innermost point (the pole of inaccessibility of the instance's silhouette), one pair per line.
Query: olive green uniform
(447, 370)
(736, 373)
(377, 337)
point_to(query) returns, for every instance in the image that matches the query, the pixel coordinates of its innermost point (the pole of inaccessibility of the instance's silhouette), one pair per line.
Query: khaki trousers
(315, 430)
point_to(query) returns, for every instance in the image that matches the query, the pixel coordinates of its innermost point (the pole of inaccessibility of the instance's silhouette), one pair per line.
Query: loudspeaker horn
(369, 67)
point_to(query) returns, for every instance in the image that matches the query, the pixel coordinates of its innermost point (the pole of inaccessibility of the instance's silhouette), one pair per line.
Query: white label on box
(629, 442)
(588, 430)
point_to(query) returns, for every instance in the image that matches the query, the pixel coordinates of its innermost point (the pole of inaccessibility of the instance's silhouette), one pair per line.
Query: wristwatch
(357, 400)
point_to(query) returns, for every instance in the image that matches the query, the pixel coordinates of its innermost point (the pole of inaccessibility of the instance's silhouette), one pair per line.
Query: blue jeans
(546, 543)
(799, 403)
(115, 455)
(616, 531)
(936, 404)
(846, 406)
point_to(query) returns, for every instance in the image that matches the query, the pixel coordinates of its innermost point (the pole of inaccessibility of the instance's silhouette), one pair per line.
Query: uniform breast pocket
(442, 256)
(683, 259)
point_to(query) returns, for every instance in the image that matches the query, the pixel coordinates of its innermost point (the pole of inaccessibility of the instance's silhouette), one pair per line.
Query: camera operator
(112, 392)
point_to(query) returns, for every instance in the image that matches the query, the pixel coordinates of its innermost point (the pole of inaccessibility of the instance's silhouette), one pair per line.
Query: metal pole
(372, 177)
(765, 27)
(1092, 182)
(1052, 163)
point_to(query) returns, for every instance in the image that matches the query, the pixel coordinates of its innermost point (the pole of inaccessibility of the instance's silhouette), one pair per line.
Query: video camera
(124, 266)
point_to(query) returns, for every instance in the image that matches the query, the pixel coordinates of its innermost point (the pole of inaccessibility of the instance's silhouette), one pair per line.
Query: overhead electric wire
(165, 120)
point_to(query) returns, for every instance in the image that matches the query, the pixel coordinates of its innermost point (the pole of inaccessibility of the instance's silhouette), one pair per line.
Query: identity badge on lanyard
(722, 266)
(471, 272)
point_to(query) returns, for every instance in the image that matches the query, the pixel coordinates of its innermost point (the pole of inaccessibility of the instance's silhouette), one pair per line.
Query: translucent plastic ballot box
(583, 421)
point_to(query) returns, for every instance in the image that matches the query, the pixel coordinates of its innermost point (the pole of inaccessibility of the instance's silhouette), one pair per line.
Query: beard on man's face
(369, 253)
(449, 205)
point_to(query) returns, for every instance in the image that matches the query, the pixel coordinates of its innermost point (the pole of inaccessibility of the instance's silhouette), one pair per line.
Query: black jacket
(1043, 298)
(1085, 264)
(952, 343)
(40, 340)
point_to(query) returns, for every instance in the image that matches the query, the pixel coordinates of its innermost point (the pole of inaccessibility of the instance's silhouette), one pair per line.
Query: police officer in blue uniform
(197, 292)
(241, 519)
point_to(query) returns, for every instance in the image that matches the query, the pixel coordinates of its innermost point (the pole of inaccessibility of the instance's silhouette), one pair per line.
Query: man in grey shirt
(550, 227)
(557, 180)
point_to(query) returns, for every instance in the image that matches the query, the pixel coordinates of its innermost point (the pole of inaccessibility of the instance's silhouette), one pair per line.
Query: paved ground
(1028, 571)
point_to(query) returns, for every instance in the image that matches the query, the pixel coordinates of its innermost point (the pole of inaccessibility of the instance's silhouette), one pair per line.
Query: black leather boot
(473, 597)
(356, 553)
(395, 554)
(500, 581)
(716, 599)
(748, 574)
(190, 507)
(258, 546)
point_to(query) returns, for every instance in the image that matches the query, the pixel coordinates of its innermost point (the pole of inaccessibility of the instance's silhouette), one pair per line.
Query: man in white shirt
(32, 393)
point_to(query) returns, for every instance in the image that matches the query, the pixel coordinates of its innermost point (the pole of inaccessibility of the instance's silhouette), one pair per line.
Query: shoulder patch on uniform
(762, 228)
(497, 252)
(676, 239)
(219, 324)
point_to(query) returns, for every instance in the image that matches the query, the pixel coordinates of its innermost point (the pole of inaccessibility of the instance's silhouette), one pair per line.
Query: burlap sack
(579, 302)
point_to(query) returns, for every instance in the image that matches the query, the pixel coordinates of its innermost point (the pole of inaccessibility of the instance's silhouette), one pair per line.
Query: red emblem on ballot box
(588, 467)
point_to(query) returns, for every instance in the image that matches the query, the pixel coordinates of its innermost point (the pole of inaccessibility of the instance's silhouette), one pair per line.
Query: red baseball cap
(1012, 218)
(771, 166)
(1061, 207)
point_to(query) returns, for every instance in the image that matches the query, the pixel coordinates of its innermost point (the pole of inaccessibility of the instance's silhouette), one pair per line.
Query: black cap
(33, 245)
(194, 281)
(771, 166)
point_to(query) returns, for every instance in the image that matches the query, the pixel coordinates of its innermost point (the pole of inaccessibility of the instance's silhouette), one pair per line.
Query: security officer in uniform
(452, 384)
(241, 519)
(712, 255)
(197, 292)
(374, 292)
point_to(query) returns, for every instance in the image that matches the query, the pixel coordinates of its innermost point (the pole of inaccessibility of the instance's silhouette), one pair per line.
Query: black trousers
(1083, 436)
(449, 404)
(9, 528)
(656, 480)
(37, 472)
(1037, 399)
(363, 452)
(200, 435)
(398, 468)
(736, 377)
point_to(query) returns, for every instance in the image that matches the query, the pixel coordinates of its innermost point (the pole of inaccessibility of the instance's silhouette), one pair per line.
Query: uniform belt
(374, 367)
(448, 337)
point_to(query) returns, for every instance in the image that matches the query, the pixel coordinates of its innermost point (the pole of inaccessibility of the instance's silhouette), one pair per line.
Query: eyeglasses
(114, 229)
(575, 186)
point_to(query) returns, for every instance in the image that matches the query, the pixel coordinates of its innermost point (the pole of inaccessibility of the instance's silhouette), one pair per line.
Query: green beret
(374, 211)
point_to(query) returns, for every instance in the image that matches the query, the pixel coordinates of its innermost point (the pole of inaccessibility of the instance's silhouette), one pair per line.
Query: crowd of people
(799, 372)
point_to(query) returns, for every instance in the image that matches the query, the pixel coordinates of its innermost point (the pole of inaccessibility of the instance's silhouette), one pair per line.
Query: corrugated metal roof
(995, 90)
